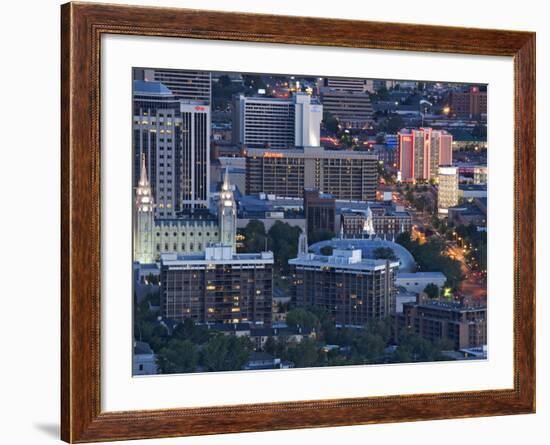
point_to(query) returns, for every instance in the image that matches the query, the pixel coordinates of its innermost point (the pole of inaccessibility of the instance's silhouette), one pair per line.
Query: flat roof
(322, 261)
(309, 153)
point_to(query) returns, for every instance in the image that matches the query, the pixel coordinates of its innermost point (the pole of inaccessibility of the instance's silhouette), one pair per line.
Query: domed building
(407, 264)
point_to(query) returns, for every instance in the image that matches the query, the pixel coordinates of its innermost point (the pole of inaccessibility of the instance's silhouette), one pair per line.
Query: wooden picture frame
(82, 26)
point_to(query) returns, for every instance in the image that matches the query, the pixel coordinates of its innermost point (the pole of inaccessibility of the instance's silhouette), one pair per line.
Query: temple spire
(368, 226)
(227, 213)
(226, 186)
(143, 180)
(143, 219)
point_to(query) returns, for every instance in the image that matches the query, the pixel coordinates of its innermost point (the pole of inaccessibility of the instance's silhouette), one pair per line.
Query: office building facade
(320, 211)
(447, 192)
(352, 289)
(386, 221)
(195, 155)
(469, 104)
(351, 84)
(217, 286)
(264, 122)
(465, 326)
(157, 136)
(422, 151)
(352, 109)
(346, 175)
(184, 84)
(174, 136)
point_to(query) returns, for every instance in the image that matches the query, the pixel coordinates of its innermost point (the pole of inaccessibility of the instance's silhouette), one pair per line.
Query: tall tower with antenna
(143, 219)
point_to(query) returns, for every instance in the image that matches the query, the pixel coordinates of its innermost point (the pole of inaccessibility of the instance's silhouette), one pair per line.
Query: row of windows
(190, 234)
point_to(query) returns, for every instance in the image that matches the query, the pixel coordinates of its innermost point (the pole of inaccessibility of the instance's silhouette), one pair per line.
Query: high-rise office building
(422, 151)
(347, 175)
(157, 137)
(352, 109)
(320, 211)
(352, 289)
(267, 122)
(218, 285)
(345, 84)
(447, 194)
(469, 104)
(174, 135)
(184, 84)
(195, 155)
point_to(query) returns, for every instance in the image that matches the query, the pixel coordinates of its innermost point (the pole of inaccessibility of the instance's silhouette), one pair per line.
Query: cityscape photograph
(298, 221)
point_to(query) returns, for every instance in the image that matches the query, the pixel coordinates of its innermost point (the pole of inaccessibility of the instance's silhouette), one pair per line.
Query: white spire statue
(144, 208)
(227, 213)
(368, 226)
(302, 245)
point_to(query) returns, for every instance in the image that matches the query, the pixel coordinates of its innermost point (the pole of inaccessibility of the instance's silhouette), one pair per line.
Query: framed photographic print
(278, 222)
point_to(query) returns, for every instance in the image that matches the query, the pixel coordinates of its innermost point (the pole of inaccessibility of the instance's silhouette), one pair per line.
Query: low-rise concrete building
(417, 281)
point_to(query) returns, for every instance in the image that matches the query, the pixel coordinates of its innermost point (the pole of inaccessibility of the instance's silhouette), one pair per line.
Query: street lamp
(424, 102)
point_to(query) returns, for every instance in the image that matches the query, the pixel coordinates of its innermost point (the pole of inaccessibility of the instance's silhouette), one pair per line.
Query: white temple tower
(227, 214)
(143, 219)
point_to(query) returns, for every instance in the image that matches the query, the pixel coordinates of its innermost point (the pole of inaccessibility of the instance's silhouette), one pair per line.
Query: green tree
(188, 330)
(283, 241)
(302, 317)
(384, 253)
(253, 81)
(405, 240)
(254, 236)
(177, 356)
(319, 235)
(270, 346)
(330, 122)
(432, 290)
(225, 353)
(393, 124)
(304, 354)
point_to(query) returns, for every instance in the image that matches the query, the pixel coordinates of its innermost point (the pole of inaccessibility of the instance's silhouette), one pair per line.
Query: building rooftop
(141, 86)
(446, 305)
(310, 152)
(368, 247)
(141, 348)
(459, 134)
(215, 254)
(268, 202)
(411, 275)
(349, 259)
(473, 187)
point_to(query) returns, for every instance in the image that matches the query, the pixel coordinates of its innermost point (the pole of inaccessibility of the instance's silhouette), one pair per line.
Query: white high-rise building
(308, 121)
(448, 188)
(266, 122)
